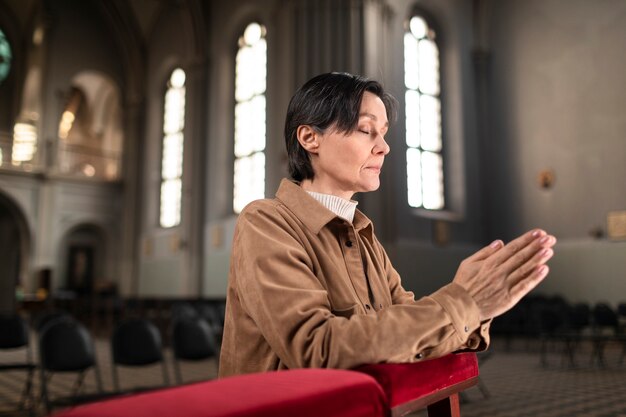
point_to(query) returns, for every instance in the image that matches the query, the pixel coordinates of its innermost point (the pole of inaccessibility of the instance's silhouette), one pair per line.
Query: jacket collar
(310, 212)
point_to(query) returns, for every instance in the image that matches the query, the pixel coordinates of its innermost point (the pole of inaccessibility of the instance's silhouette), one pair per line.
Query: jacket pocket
(346, 312)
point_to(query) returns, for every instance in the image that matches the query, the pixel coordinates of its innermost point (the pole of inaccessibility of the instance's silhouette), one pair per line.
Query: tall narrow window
(172, 159)
(250, 84)
(424, 160)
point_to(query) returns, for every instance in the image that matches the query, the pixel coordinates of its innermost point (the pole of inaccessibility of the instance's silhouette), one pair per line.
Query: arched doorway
(15, 244)
(83, 256)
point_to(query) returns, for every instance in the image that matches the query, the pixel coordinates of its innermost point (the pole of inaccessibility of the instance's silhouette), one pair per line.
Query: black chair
(213, 314)
(578, 322)
(605, 329)
(192, 340)
(579, 317)
(14, 336)
(552, 314)
(136, 342)
(65, 346)
(621, 310)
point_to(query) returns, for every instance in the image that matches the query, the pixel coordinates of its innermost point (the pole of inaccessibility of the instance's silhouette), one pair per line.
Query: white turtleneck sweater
(340, 206)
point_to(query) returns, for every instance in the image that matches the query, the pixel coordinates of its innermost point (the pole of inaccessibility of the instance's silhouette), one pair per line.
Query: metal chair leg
(177, 372)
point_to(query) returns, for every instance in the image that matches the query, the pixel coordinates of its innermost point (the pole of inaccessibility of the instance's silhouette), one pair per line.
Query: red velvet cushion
(408, 382)
(302, 392)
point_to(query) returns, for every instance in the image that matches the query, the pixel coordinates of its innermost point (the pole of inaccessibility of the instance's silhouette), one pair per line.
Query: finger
(487, 251)
(527, 284)
(542, 256)
(527, 253)
(517, 245)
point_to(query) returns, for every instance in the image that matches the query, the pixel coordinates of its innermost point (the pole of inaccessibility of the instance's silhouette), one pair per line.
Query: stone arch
(15, 239)
(90, 130)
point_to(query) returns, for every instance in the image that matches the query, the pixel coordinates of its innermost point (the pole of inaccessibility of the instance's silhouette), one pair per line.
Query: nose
(381, 146)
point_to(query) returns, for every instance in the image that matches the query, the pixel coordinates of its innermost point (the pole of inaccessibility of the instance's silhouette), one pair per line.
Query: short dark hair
(332, 99)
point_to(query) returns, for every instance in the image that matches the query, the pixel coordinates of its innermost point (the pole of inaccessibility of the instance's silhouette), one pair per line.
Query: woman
(311, 286)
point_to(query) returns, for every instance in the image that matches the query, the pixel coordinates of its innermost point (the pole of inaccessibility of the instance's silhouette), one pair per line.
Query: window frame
(238, 41)
(445, 212)
(180, 178)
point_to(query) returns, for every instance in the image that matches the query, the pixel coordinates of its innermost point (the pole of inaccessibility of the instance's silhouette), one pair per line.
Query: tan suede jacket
(309, 289)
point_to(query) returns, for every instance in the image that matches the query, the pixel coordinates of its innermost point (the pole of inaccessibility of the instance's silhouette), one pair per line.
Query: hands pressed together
(499, 275)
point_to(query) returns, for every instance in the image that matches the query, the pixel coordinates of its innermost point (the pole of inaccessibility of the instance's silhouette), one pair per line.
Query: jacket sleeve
(454, 299)
(280, 292)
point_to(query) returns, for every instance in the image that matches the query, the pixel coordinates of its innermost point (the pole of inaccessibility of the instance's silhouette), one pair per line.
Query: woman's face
(347, 163)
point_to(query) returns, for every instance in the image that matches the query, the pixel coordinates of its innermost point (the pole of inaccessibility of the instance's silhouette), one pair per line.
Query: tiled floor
(519, 385)
(11, 383)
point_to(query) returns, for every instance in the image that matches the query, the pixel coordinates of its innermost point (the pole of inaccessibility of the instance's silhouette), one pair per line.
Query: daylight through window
(250, 108)
(425, 182)
(172, 159)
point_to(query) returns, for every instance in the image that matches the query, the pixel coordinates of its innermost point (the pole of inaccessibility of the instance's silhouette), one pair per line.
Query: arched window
(172, 158)
(424, 159)
(250, 85)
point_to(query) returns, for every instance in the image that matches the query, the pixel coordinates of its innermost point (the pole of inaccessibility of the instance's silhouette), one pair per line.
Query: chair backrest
(183, 309)
(605, 316)
(49, 316)
(580, 316)
(66, 345)
(13, 332)
(209, 312)
(192, 339)
(136, 342)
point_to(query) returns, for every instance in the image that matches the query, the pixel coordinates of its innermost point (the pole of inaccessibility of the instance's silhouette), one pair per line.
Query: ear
(308, 138)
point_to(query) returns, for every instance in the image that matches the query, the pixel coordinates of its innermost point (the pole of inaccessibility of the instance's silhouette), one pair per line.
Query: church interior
(132, 133)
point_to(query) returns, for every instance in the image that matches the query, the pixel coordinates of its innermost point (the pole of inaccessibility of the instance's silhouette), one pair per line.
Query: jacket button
(367, 306)
(349, 243)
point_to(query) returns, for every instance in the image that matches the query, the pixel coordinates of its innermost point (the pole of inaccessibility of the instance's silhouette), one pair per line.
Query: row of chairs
(65, 345)
(536, 315)
(553, 320)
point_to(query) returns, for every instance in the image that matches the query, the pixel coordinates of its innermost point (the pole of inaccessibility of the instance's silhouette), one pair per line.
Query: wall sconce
(546, 179)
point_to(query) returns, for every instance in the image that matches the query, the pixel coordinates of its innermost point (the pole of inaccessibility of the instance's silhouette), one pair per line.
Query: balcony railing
(86, 161)
(24, 153)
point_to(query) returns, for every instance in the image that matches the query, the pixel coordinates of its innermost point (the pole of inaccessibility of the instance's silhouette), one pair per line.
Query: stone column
(195, 174)
(128, 280)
